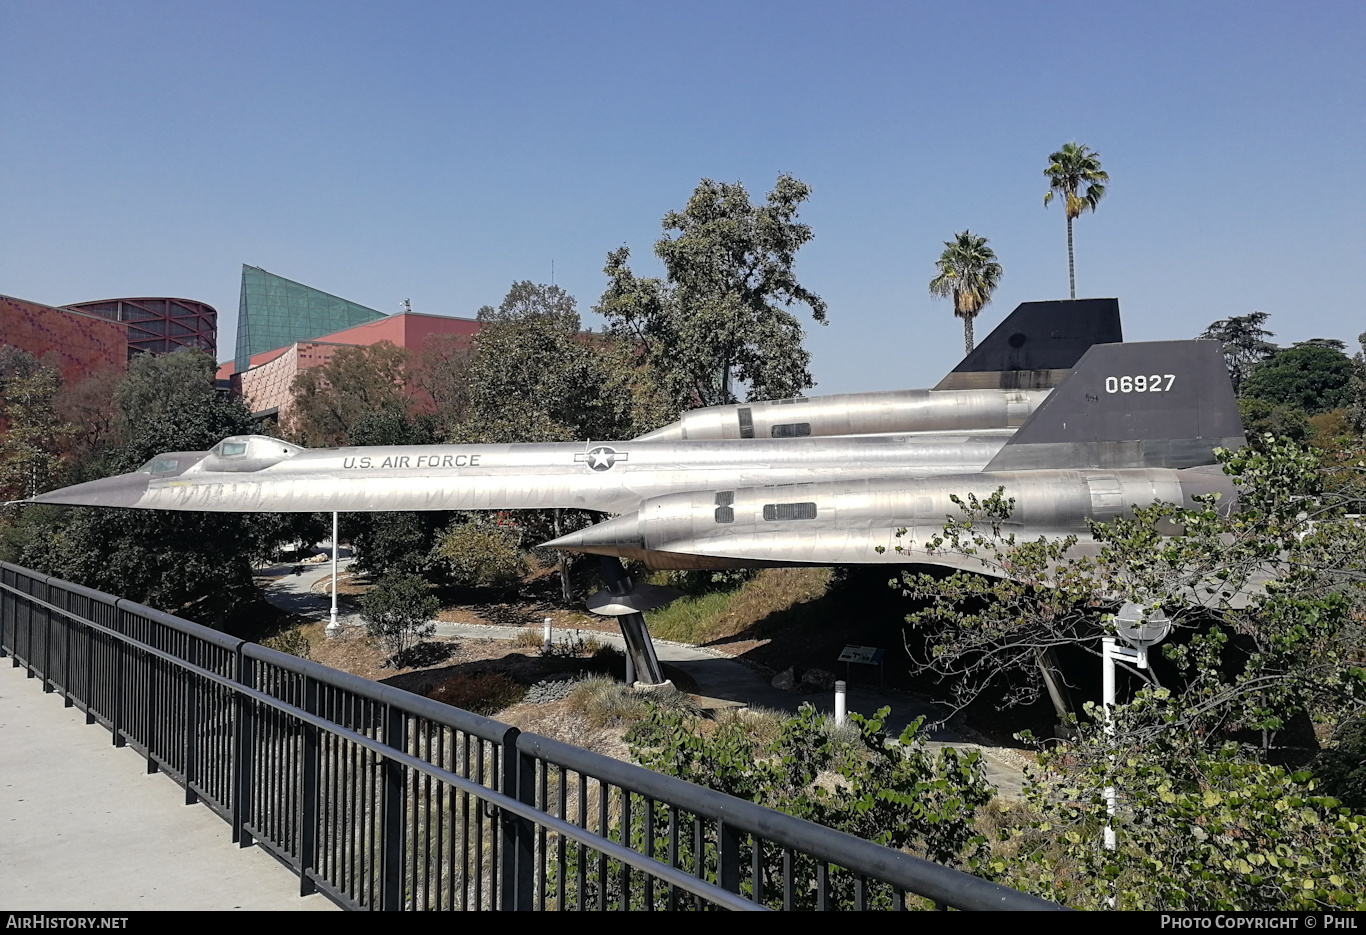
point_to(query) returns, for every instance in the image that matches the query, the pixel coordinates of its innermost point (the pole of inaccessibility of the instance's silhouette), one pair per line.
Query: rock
(785, 680)
(818, 680)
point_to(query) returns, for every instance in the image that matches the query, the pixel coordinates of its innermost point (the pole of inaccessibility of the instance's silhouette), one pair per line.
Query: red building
(160, 325)
(266, 385)
(78, 342)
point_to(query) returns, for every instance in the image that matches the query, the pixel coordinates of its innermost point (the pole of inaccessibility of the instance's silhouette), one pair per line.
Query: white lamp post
(333, 627)
(1139, 626)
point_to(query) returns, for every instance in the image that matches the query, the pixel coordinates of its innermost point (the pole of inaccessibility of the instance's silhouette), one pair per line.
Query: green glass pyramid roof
(276, 312)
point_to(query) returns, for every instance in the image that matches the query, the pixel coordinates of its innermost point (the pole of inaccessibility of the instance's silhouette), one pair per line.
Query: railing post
(28, 643)
(89, 675)
(728, 856)
(308, 795)
(393, 837)
(191, 721)
(66, 663)
(518, 870)
(4, 612)
(116, 716)
(47, 648)
(243, 753)
(150, 702)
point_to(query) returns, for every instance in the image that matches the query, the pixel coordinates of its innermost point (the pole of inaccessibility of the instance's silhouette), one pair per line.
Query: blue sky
(440, 151)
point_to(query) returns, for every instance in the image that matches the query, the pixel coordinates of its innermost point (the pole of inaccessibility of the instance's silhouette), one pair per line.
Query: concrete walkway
(83, 827)
(717, 675)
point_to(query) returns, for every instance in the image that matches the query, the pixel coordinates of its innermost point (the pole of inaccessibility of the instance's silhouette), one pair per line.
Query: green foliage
(1196, 830)
(1265, 601)
(535, 377)
(1356, 388)
(355, 383)
(1308, 376)
(854, 779)
(392, 541)
(1279, 420)
(1341, 768)
(968, 274)
(1074, 172)
(721, 312)
(1244, 342)
(194, 564)
(398, 612)
(191, 564)
(1247, 648)
(34, 431)
(479, 554)
(892, 791)
(291, 641)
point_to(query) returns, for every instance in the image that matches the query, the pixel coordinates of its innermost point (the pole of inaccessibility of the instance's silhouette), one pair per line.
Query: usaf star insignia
(601, 458)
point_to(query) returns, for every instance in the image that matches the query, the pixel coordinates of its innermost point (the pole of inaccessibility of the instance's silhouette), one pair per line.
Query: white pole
(1107, 701)
(549, 623)
(333, 627)
(841, 703)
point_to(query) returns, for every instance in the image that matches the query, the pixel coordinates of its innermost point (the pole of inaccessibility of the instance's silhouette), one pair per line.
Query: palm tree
(1075, 171)
(969, 273)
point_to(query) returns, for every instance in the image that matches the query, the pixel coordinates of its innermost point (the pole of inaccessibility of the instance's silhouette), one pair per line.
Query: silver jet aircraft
(1130, 424)
(999, 383)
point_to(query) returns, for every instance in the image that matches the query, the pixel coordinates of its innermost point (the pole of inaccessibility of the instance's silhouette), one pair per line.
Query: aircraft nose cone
(604, 538)
(123, 490)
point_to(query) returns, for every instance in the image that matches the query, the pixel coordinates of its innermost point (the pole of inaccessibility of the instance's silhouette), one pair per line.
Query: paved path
(83, 827)
(717, 675)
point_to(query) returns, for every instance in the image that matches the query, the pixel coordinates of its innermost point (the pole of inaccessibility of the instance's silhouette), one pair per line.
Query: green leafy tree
(1244, 341)
(1075, 173)
(398, 613)
(1278, 420)
(535, 377)
(33, 433)
(1265, 602)
(439, 372)
(392, 541)
(481, 553)
(194, 564)
(1356, 388)
(1311, 377)
(356, 382)
(968, 274)
(721, 314)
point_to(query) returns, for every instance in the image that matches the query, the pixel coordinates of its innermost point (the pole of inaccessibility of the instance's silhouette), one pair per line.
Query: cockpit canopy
(248, 453)
(170, 463)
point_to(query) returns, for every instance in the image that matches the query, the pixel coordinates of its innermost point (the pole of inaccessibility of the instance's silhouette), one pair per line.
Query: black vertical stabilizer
(1036, 345)
(1162, 404)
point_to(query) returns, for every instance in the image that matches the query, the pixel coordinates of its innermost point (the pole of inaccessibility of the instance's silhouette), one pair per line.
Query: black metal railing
(382, 799)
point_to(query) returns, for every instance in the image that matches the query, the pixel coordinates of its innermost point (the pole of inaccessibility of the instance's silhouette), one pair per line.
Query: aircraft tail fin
(1160, 404)
(1037, 345)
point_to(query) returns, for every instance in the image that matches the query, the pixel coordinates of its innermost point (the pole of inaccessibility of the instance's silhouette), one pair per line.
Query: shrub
(290, 641)
(481, 556)
(529, 638)
(398, 612)
(892, 791)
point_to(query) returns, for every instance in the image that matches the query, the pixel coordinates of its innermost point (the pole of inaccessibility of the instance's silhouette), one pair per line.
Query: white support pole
(1107, 702)
(333, 627)
(548, 635)
(841, 703)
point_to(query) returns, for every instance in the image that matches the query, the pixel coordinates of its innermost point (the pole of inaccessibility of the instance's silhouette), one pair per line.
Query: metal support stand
(625, 600)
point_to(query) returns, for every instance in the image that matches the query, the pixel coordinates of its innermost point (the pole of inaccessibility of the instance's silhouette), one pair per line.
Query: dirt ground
(857, 607)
